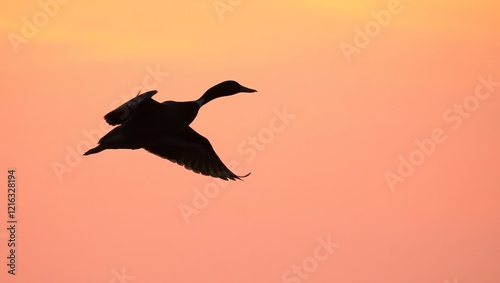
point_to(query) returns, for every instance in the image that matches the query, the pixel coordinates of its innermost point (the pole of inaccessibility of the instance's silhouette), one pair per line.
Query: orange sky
(372, 141)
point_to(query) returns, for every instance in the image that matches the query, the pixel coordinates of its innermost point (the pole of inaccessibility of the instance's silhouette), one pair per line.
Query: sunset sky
(373, 141)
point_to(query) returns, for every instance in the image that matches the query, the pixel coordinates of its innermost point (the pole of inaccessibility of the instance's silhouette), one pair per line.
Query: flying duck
(163, 129)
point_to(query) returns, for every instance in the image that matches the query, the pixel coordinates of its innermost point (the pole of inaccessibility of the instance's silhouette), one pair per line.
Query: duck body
(169, 118)
(164, 130)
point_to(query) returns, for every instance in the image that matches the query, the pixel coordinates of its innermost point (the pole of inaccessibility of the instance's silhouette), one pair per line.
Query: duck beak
(246, 89)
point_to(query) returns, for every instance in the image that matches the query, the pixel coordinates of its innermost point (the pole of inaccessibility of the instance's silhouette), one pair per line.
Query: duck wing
(131, 108)
(194, 152)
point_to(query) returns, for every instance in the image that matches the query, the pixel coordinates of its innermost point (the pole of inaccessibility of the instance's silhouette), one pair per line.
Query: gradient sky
(372, 129)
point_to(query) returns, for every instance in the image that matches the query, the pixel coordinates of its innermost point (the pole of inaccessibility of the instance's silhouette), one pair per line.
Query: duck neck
(210, 95)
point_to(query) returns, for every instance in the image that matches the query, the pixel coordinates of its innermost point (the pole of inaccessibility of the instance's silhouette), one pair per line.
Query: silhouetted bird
(163, 129)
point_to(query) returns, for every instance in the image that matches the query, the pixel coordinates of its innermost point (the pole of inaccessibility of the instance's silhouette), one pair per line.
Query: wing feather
(131, 108)
(194, 152)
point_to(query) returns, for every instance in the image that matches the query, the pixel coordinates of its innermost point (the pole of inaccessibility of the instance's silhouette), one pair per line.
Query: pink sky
(321, 136)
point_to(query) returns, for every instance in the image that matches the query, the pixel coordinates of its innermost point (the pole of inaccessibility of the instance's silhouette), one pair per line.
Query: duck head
(223, 89)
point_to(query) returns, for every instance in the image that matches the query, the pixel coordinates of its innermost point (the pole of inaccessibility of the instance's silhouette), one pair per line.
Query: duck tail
(96, 149)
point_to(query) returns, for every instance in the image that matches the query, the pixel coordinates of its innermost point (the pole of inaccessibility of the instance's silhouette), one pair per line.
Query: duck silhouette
(163, 129)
